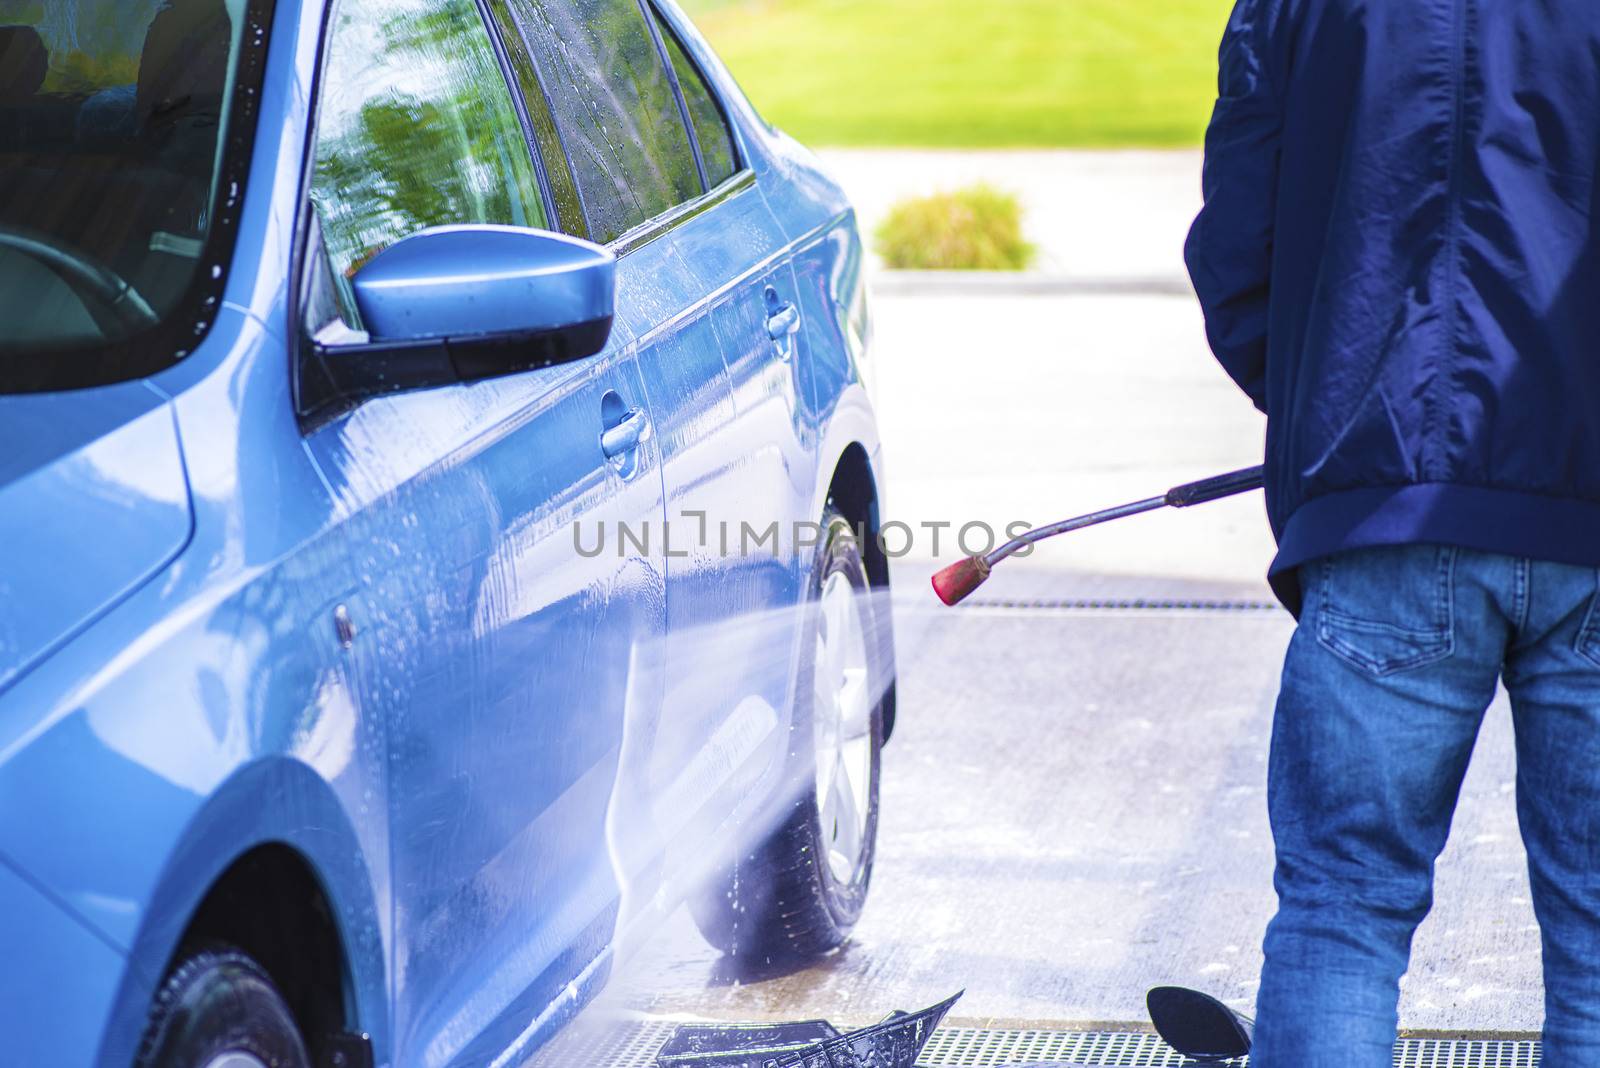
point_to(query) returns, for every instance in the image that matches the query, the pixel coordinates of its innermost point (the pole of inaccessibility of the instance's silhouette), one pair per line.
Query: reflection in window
(614, 102)
(710, 126)
(417, 129)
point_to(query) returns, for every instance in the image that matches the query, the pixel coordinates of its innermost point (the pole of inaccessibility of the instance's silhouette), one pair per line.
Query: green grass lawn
(974, 73)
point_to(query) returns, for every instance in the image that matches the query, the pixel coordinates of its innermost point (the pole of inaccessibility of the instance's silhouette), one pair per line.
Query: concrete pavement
(1078, 814)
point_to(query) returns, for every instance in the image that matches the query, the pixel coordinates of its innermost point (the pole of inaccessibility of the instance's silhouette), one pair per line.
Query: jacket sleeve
(1229, 251)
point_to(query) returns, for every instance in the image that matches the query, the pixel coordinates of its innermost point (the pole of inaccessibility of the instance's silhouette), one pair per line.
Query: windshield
(118, 123)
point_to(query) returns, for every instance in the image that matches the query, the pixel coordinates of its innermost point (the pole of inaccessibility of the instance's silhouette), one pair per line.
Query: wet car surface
(392, 394)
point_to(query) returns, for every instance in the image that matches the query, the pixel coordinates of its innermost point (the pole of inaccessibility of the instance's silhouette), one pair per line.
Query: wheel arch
(271, 858)
(270, 905)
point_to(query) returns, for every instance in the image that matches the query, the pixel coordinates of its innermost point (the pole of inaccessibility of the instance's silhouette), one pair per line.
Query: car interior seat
(183, 78)
(24, 63)
(183, 75)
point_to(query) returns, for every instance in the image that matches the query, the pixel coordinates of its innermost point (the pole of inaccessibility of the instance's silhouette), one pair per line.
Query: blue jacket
(1398, 262)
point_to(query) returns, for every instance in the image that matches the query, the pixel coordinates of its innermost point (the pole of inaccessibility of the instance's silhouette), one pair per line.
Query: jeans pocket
(1388, 610)
(1588, 642)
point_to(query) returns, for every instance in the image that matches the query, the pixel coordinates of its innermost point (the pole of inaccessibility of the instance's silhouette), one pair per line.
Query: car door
(503, 660)
(640, 180)
(747, 629)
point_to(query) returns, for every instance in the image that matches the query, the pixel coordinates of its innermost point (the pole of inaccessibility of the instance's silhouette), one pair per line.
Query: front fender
(271, 801)
(175, 735)
(57, 980)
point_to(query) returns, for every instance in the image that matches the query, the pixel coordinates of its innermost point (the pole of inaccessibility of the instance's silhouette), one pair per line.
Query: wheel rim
(236, 1060)
(842, 717)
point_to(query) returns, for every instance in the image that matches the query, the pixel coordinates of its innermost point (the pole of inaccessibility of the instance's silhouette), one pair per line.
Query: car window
(116, 135)
(615, 107)
(556, 172)
(710, 125)
(416, 128)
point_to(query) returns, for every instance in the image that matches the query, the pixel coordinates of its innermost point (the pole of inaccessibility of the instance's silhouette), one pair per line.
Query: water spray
(956, 583)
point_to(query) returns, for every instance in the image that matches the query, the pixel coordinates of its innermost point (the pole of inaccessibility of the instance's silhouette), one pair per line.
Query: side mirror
(462, 303)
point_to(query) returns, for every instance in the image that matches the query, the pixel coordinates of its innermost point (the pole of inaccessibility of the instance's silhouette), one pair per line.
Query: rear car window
(710, 125)
(416, 128)
(119, 120)
(615, 106)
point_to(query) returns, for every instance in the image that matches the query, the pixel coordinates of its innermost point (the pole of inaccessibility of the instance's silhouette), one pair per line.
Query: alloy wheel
(842, 718)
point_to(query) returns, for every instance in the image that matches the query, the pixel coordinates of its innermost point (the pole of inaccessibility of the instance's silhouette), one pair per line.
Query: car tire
(219, 1009)
(799, 893)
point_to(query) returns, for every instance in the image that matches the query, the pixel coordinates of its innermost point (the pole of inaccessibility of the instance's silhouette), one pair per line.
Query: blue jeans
(1386, 682)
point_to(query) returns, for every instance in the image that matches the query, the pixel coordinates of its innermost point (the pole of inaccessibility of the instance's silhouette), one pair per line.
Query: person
(1398, 263)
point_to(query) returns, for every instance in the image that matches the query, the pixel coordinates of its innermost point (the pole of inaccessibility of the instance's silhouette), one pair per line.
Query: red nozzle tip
(956, 582)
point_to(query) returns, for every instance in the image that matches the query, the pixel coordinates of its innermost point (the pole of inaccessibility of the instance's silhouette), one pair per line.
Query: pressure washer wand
(956, 582)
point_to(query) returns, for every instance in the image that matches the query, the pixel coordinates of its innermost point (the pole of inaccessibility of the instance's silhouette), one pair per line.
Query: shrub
(975, 229)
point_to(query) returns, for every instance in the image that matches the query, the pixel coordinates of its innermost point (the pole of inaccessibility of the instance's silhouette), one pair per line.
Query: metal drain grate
(973, 1047)
(1121, 604)
(615, 1045)
(634, 1045)
(1438, 1053)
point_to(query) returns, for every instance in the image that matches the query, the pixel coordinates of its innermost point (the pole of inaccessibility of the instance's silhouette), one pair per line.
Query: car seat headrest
(183, 70)
(24, 62)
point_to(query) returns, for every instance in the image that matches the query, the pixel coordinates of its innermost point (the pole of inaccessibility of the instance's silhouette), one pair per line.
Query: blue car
(438, 498)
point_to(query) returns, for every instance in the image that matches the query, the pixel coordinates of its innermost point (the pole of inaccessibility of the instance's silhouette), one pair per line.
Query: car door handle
(625, 436)
(783, 322)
